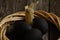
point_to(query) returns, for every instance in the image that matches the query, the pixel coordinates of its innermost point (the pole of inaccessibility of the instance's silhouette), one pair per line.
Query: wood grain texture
(12, 6)
(55, 7)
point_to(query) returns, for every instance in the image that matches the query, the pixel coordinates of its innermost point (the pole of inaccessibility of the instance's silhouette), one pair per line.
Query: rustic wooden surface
(11, 6)
(55, 7)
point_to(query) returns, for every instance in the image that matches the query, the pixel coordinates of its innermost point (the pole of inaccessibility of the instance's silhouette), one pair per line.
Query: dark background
(12, 6)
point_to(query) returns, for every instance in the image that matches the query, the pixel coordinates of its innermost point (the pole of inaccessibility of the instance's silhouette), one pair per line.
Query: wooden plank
(55, 7)
(3, 7)
(20, 5)
(11, 6)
